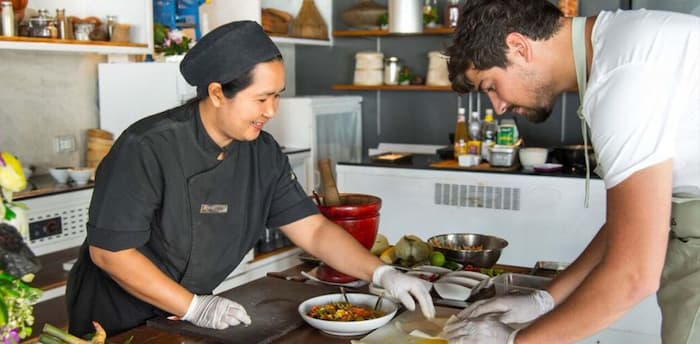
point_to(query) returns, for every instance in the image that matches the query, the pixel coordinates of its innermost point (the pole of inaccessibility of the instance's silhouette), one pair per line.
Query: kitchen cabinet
(137, 13)
(222, 12)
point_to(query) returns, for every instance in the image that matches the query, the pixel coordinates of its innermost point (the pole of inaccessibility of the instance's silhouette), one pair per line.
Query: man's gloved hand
(215, 312)
(514, 309)
(405, 288)
(479, 331)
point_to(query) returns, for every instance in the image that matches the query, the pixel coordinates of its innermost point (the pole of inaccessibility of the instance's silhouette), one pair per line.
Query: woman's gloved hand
(513, 308)
(215, 312)
(405, 288)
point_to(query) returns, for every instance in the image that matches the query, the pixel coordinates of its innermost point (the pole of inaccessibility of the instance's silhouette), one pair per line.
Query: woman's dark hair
(231, 88)
(480, 38)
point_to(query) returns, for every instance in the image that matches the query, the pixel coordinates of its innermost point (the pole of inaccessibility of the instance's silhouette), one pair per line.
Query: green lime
(437, 258)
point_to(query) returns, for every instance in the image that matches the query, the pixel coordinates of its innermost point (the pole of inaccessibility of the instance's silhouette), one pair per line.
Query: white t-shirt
(643, 96)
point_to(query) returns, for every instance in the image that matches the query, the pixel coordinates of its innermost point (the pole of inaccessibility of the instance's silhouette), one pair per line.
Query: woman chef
(184, 194)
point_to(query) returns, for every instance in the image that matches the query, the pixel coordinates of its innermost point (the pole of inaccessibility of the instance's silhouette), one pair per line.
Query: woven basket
(309, 23)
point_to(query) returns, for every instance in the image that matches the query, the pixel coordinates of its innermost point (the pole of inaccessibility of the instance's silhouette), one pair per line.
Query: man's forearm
(142, 279)
(568, 280)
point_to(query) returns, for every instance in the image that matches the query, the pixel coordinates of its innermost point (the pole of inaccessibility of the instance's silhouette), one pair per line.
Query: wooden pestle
(330, 190)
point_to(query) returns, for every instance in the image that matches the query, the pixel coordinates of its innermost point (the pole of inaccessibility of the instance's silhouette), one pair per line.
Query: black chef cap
(226, 53)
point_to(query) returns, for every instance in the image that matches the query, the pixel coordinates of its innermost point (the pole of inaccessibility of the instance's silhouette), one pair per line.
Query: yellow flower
(11, 174)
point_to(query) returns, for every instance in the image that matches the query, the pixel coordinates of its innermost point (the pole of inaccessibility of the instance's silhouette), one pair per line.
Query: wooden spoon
(330, 190)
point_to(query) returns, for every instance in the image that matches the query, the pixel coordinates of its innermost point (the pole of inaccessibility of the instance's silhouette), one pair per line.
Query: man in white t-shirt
(642, 104)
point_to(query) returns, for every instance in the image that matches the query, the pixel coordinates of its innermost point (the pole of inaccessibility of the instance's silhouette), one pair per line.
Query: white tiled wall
(43, 95)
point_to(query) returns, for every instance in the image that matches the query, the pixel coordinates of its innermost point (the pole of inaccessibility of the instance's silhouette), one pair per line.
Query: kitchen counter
(424, 161)
(302, 334)
(45, 185)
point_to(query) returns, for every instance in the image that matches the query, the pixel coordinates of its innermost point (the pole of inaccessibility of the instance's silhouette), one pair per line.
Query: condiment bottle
(489, 130)
(461, 137)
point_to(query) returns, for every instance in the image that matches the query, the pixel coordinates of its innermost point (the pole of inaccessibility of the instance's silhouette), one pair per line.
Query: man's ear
(216, 94)
(519, 46)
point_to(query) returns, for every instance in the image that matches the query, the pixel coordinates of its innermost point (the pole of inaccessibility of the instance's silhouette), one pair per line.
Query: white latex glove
(215, 312)
(479, 331)
(513, 308)
(405, 288)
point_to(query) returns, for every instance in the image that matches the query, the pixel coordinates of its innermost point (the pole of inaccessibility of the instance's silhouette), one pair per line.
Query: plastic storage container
(512, 283)
(503, 156)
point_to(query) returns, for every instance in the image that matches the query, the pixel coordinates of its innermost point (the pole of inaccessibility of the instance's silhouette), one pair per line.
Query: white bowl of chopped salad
(333, 315)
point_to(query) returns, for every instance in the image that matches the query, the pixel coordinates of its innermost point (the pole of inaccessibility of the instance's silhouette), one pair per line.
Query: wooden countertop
(304, 334)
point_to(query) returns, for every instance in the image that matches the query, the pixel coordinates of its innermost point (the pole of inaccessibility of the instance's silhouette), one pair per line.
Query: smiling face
(242, 117)
(517, 88)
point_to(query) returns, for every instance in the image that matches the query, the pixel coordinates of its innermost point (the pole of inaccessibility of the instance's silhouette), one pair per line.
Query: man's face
(515, 89)
(242, 117)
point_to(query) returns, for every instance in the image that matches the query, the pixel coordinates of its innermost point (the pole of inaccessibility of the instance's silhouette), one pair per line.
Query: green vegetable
(451, 265)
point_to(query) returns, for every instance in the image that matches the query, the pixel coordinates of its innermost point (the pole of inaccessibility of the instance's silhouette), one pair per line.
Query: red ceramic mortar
(358, 214)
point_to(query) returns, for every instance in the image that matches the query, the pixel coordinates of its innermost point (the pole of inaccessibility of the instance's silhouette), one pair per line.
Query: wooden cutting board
(271, 303)
(484, 166)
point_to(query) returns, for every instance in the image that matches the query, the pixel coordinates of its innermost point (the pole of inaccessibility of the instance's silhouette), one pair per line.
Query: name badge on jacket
(213, 209)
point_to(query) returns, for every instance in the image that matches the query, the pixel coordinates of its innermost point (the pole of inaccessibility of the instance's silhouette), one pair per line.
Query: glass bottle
(451, 16)
(8, 19)
(489, 130)
(474, 143)
(461, 137)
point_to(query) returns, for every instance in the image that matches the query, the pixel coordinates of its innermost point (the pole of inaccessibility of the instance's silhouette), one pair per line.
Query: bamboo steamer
(99, 142)
(99, 133)
(309, 23)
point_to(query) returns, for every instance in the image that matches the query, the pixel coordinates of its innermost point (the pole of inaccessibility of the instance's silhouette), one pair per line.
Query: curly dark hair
(480, 38)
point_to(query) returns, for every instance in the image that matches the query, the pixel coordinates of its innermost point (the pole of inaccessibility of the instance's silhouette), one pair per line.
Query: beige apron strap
(578, 40)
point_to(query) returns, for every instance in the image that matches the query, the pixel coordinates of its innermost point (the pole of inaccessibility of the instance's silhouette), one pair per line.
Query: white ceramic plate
(347, 328)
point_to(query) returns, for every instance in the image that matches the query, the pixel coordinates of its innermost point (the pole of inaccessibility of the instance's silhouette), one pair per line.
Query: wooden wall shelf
(368, 33)
(346, 87)
(22, 39)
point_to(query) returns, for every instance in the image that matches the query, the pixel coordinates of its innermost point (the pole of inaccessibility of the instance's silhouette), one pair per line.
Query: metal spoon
(379, 302)
(342, 290)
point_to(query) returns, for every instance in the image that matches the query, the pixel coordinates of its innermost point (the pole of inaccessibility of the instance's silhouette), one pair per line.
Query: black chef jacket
(162, 191)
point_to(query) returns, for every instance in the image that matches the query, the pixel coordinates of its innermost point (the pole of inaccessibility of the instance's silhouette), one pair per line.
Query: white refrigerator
(331, 126)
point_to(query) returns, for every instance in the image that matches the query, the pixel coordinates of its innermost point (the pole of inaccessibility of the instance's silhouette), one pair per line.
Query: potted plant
(17, 262)
(169, 42)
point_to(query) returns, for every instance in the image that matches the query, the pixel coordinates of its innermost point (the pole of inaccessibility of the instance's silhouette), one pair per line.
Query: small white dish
(80, 175)
(463, 281)
(59, 174)
(452, 291)
(469, 274)
(434, 269)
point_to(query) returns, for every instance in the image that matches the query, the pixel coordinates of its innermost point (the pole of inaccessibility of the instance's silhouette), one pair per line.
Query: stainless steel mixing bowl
(450, 245)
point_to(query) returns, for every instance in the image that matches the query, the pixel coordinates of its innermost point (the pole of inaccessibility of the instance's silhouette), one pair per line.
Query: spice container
(83, 30)
(392, 67)
(42, 25)
(369, 68)
(503, 156)
(8, 19)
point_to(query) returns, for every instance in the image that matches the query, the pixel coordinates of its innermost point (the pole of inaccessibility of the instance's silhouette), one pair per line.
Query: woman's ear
(216, 94)
(519, 46)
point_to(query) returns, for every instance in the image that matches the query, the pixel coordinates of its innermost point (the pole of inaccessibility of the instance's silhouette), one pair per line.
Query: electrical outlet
(64, 144)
